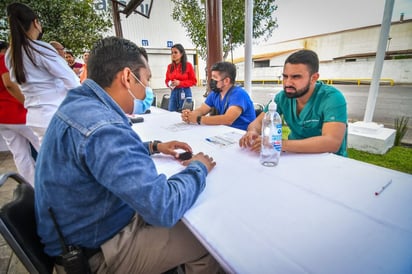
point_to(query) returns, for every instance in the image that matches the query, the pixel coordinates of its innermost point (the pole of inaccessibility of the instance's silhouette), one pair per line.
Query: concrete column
(248, 45)
(380, 57)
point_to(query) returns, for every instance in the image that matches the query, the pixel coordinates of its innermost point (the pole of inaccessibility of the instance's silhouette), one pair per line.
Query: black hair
(183, 59)
(69, 52)
(3, 45)
(306, 57)
(227, 69)
(20, 18)
(111, 55)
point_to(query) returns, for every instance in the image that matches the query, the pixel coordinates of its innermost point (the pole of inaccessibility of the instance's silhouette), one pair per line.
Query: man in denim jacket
(97, 176)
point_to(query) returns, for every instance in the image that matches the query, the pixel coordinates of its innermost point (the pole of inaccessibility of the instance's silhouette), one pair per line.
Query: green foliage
(401, 126)
(73, 23)
(397, 158)
(192, 15)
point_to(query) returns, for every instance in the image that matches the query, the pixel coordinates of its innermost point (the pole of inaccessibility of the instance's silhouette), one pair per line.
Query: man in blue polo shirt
(315, 113)
(232, 103)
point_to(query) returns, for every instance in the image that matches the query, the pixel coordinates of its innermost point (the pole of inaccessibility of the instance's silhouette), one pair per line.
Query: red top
(187, 79)
(11, 110)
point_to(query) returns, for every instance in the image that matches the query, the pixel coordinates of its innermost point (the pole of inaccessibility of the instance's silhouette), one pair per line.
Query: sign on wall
(144, 9)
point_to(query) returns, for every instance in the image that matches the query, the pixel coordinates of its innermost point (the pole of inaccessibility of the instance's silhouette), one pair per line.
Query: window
(262, 64)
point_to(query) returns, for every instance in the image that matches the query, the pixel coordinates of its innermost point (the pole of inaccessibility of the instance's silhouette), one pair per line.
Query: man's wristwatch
(154, 146)
(198, 119)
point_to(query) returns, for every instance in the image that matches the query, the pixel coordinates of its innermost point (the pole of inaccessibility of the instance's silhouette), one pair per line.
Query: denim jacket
(95, 173)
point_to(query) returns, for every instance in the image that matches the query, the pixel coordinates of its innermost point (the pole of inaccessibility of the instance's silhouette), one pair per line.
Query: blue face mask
(140, 106)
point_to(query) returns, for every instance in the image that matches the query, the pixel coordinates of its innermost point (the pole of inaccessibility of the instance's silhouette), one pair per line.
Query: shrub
(401, 126)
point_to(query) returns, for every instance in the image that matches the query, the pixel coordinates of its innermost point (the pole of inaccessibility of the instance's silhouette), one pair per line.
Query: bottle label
(277, 138)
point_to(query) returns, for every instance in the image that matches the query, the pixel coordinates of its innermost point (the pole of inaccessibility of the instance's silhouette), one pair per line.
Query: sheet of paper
(224, 140)
(178, 127)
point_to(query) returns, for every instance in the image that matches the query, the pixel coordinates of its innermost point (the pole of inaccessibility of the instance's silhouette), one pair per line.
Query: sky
(301, 18)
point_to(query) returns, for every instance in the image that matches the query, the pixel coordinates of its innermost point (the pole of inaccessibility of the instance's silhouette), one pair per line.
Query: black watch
(154, 146)
(198, 119)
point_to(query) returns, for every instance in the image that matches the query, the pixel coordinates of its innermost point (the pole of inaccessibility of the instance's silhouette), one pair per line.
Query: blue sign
(169, 44)
(145, 43)
(100, 5)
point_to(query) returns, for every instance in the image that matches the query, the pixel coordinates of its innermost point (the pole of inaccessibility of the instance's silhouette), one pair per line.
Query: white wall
(160, 31)
(331, 47)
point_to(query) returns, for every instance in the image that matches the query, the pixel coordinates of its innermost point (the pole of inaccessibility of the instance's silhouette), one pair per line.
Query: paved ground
(392, 102)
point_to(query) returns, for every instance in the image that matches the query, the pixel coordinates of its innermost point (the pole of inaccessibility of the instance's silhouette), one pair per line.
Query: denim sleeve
(120, 161)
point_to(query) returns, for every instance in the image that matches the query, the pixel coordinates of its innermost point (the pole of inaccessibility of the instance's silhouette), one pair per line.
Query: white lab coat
(46, 84)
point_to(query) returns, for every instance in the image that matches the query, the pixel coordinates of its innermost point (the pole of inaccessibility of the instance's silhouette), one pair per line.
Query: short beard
(298, 93)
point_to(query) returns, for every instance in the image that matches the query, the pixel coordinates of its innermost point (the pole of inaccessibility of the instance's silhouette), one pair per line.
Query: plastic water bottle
(271, 137)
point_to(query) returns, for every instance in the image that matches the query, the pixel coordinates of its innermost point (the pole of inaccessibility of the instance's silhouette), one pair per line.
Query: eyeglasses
(137, 79)
(220, 79)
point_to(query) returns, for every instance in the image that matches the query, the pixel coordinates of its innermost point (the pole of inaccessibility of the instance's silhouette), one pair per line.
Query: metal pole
(248, 45)
(380, 56)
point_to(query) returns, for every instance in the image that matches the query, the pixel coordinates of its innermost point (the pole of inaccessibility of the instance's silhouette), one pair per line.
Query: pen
(210, 140)
(213, 141)
(383, 188)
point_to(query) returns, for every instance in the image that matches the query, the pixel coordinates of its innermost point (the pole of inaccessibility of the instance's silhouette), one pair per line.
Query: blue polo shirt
(236, 96)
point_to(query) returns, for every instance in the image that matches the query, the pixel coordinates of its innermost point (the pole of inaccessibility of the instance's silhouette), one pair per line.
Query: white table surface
(313, 213)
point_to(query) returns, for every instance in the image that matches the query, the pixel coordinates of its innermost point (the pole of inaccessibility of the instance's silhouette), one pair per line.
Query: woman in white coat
(42, 75)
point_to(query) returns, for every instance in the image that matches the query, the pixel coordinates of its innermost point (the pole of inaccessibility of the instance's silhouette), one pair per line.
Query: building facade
(344, 55)
(152, 27)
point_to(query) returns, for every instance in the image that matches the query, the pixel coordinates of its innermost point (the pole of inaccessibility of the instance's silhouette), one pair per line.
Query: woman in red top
(12, 122)
(180, 76)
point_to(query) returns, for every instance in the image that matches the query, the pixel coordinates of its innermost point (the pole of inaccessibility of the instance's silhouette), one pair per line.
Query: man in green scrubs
(315, 112)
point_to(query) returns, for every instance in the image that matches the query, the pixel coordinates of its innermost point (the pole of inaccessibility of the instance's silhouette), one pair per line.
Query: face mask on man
(140, 106)
(213, 86)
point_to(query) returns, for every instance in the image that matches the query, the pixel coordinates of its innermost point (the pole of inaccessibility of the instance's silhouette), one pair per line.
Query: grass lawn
(397, 158)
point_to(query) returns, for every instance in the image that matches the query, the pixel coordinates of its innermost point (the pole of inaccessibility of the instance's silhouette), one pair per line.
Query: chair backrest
(188, 103)
(165, 102)
(18, 227)
(154, 102)
(258, 108)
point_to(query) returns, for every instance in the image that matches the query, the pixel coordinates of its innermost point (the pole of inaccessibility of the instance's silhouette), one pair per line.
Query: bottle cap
(272, 106)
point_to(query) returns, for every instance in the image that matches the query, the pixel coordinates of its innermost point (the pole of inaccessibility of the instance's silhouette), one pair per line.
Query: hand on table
(205, 159)
(169, 148)
(251, 140)
(188, 116)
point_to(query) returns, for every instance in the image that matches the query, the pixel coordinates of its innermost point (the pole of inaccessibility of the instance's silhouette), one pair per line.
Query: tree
(73, 23)
(192, 15)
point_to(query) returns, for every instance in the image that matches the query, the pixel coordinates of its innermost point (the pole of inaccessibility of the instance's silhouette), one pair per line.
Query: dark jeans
(177, 97)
